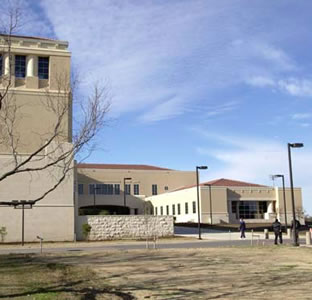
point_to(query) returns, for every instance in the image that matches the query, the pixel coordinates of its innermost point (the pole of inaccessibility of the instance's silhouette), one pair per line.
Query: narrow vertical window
(91, 189)
(173, 209)
(154, 189)
(161, 210)
(80, 189)
(43, 67)
(167, 210)
(117, 189)
(156, 211)
(136, 189)
(194, 207)
(186, 208)
(128, 189)
(20, 66)
(179, 209)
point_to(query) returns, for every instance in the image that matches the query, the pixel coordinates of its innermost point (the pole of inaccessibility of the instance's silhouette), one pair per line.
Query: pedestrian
(277, 228)
(242, 228)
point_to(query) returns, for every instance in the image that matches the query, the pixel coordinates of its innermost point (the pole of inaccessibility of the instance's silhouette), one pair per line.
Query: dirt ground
(214, 273)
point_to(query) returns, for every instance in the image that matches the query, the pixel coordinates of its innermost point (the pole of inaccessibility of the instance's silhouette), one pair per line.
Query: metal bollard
(266, 234)
(308, 238)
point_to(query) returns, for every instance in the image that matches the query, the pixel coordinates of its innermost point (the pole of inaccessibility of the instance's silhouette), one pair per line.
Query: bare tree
(54, 153)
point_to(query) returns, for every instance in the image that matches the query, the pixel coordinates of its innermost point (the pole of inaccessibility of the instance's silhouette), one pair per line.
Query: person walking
(242, 228)
(277, 228)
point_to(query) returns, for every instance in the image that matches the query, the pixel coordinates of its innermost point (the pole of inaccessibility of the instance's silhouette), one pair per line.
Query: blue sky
(223, 83)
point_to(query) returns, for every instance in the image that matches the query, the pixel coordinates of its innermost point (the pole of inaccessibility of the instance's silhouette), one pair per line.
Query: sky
(222, 83)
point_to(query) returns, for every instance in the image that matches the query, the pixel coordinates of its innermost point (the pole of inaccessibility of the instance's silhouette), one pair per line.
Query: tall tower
(36, 128)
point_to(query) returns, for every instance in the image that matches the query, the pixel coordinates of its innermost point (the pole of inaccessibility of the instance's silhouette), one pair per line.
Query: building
(226, 201)
(36, 72)
(105, 185)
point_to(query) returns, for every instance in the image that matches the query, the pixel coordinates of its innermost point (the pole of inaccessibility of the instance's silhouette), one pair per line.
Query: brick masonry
(125, 227)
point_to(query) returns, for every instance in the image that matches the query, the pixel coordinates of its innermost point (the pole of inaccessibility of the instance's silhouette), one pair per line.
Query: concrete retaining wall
(121, 227)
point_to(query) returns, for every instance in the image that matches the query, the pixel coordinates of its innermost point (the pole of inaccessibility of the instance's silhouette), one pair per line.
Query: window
(1, 64)
(167, 209)
(117, 189)
(194, 207)
(186, 208)
(252, 209)
(161, 210)
(20, 66)
(156, 211)
(128, 189)
(80, 189)
(104, 189)
(179, 209)
(234, 207)
(154, 189)
(166, 188)
(91, 189)
(173, 209)
(136, 190)
(43, 67)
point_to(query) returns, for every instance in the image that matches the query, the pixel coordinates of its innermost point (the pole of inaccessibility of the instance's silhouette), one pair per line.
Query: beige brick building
(37, 72)
(225, 200)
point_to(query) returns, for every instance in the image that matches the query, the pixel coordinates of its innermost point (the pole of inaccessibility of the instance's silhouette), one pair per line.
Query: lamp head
(296, 145)
(202, 167)
(276, 176)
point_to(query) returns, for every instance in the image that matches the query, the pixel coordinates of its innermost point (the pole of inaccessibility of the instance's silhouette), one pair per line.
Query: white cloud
(291, 86)
(261, 81)
(301, 116)
(296, 87)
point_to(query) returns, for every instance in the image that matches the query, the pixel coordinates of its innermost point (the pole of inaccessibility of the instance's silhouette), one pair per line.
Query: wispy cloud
(301, 116)
(296, 87)
(150, 50)
(291, 86)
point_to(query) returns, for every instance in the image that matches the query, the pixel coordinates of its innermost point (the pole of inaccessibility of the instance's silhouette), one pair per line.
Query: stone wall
(125, 227)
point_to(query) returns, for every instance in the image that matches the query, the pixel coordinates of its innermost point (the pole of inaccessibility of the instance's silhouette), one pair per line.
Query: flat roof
(121, 167)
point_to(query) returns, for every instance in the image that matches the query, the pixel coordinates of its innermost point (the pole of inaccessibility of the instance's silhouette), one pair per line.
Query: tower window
(43, 67)
(20, 66)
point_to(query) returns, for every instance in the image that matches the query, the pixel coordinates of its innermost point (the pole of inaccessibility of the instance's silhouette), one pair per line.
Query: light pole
(127, 178)
(294, 229)
(284, 196)
(197, 185)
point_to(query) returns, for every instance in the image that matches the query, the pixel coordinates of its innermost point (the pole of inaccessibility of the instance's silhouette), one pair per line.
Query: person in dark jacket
(242, 228)
(277, 228)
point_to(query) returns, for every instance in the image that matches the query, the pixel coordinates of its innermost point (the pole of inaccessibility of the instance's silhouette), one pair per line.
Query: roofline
(121, 167)
(46, 40)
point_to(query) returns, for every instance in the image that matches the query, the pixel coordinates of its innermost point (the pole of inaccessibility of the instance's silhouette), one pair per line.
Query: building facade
(126, 185)
(226, 201)
(35, 73)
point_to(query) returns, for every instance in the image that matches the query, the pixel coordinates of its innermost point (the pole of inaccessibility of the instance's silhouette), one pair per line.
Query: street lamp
(294, 145)
(284, 196)
(127, 178)
(197, 185)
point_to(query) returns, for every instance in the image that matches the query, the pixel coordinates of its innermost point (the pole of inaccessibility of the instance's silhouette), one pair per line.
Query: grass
(269, 272)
